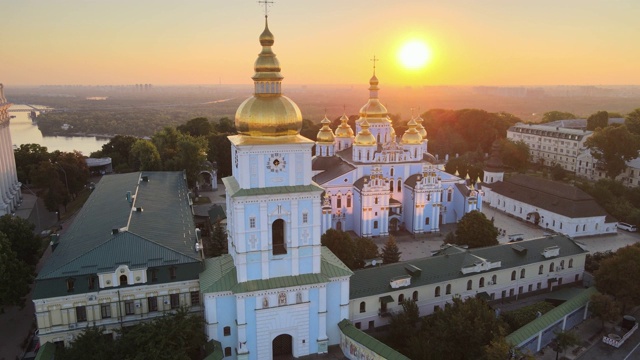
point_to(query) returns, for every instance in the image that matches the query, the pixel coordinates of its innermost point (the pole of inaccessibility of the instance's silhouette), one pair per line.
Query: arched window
(415, 296)
(426, 220)
(339, 202)
(399, 185)
(562, 264)
(570, 263)
(359, 154)
(494, 279)
(400, 298)
(449, 195)
(448, 289)
(391, 185)
(584, 227)
(577, 228)
(481, 282)
(375, 224)
(469, 285)
(348, 201)
(277, 234)
(367, 155)
(437, 292)
(363, 306)
(376, 200)
(522, 272)
(551, 267)
(513, 275)
(123, 280)
(540, 269)
(391, 172)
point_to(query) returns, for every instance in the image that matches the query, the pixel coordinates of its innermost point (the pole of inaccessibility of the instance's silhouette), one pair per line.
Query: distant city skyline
(494, 43)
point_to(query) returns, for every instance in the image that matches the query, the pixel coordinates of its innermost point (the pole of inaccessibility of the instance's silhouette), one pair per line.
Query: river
(23, 131)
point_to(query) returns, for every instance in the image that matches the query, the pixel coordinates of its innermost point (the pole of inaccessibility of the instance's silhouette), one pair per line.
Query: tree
(341, 245)
(118, 149)
(613, 146)
(225, 126)
(599, 119)
(557, 172)
(218, 243)
(475, 230)
(618, 276)
(564, 340)
(390, 251)
(365, 249)
(24, 242)
(632, 121)
(192, 153)
(75, 171)
(144, 156)
(15, 276)
(515, 155)
(28, 157)
(219, 150)
(604, 307)
(557, 115)
(92, 340)
(196, 127)
(401, 323)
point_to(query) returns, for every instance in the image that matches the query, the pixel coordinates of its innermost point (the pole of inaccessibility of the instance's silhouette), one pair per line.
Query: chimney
(129, 197)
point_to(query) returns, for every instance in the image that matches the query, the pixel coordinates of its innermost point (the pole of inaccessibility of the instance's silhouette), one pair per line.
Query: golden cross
(266, 5)
(374, 64)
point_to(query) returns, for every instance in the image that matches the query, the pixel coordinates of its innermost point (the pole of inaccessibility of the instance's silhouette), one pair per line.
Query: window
(513, 275)
(562, 264)
(538, 286)
(339, 202)
(391, 185)
(252, 222)
(129, 307)
(92, 282)
(358, 325)
(400, 298)
(511, 292)
(282, 299)
(70, 284)
(305, 218)
(449, 196)
(437, 292)
(363, 306)
(172, 273)
(277, 233)
(154, 275)
(376, 200)
(105, 311)
(522, 272)
(551, 267)
(494, 279)
(391, 172)
(469, 285)
(570, 263)
(530, 287)
(123, 280)
(152, 303)
(540, 269)
(81, 313)
(415, 296)
(481, 282)
(348, 201)
(399, 185)
(448, 289)
(227, 351)
(426, 221)
(372, 324)
(227, 331)
(195, 298)
(175, 300)
(577, 277)
(375, 224)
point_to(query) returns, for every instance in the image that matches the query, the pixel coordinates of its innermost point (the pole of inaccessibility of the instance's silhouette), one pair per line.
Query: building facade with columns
(376, 182)
(10, 193)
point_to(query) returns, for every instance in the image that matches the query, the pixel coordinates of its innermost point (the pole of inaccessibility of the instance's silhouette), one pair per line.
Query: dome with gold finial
(373, 109)
(344, 130)
(365, 137)
(411, 136)
(420, 127)
(268, 113)
(325, 135)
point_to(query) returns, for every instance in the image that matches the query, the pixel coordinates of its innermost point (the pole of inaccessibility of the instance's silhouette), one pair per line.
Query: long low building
(129, 256)
(496, 272)
(551, 205)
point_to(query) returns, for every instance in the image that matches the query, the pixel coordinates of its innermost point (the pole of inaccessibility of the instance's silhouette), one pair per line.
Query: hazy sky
(473, 42)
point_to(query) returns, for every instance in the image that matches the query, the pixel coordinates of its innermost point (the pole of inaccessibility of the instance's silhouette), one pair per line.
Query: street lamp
(66, 182)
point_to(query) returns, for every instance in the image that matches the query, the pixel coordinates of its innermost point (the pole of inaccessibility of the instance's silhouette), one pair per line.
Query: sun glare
(414, 54)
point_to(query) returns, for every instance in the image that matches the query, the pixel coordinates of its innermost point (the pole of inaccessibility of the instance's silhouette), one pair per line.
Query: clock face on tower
(276, 163)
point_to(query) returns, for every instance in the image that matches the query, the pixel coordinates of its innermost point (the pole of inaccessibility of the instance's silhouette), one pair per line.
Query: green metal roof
(163, 231)
(447, 265)
(214, 349)
(371, 343)
(234, 189)
(220, 275)
(47, 352)
(531, 329)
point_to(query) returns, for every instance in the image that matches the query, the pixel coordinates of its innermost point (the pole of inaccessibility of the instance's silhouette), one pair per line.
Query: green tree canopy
(144, 156)
(225, 126)
(24, 242)
(475, 230)
(15, 276)
(196, 127)
(605, 307)
(556, 115)
(515, 155)
(618, 275)
(390, 251)
(218, 241)
(564, 340)
(28, 158)
(632, 121)
(599, 119)
(341, 245)
(118, 149)
(613, 146)
(365, 249)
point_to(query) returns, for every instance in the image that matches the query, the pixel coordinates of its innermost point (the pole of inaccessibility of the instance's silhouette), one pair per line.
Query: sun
(414, 54)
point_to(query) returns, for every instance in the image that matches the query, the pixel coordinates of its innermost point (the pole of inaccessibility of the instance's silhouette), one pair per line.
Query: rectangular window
(152, 303)
(195, 298)
(372, 324)
(129, 307)
(172, 273)
(305, 218)
(252, 222)
(70, 285)
(81, 313)
(154, 274)
(105, 311)
(175, 300)
(92, 282)
(348, 201)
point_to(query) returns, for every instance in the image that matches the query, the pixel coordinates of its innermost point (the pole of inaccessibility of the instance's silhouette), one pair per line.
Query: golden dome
(420, 128)
(344, 130)
(393, 134)
(411, 136)
(268, 112)
(325, 135)
(365, 137)
(374, 108)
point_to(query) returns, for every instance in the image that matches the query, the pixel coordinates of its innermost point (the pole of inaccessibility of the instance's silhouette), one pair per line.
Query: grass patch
(201, 200)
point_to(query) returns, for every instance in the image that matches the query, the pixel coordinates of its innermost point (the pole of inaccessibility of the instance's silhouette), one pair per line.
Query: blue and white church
(278, 291)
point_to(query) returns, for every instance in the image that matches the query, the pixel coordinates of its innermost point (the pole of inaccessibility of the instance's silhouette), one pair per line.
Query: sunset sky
(490, 42)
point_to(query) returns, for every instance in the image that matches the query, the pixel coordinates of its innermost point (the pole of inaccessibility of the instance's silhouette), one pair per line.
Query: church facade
(377, 182)
(10, 193)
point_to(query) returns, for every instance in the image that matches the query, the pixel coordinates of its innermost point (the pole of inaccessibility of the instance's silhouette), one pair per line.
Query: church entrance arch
(282, 347)
(394, 224)
(339, 226)
(534, 217)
